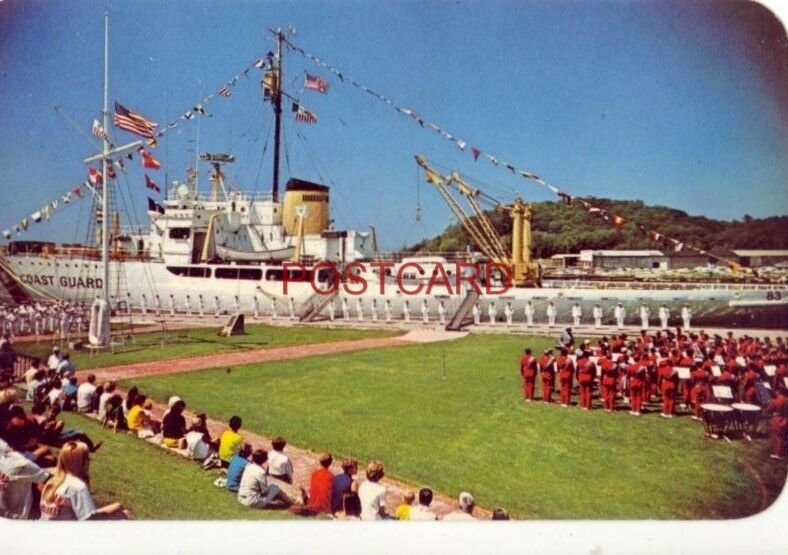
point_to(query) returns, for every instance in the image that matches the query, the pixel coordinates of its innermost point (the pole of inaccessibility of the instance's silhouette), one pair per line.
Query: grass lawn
(156, 484)
(468, 429)
(147, 347)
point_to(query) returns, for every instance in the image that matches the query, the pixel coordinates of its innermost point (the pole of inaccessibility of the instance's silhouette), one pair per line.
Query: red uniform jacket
(586, 371)
(670, 381)
(566, 369)
(528, 367)
(637, 374)
(778, 408)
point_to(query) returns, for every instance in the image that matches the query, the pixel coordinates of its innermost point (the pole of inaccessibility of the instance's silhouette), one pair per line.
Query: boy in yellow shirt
(230, 441)
(403, 510)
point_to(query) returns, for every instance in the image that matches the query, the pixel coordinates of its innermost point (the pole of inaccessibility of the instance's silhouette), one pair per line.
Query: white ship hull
(155, 284)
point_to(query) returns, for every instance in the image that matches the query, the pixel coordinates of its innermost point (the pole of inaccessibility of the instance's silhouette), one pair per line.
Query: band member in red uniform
(566, 373)
(637, 375)
(669, 384)
(547, 367)
(749, 379)
(608, 383)
(729, 379)
(686, 387)
(528, 372)
(586, 372)
(778, 409)
(700, 388)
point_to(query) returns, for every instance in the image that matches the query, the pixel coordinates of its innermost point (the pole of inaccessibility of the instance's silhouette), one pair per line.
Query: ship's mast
(104, 159)
(276, 100)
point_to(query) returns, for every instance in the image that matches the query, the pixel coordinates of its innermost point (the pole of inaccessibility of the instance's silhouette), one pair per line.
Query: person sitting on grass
(279, 465)
(66, 496)
(202, 426)
(173, 425)
(17, 474)
(466, 504)
(403, 509)
(54, 432)
(23, 436)
(114, 414)
(254, 490)
(107, 391)
(422, 511)
(236, 467)
(373, 494)
(131, 396)
(85, 393)
(54, 358)
(55, 395)
(344, 483)
(500, 514)
(70, 394)
(230, 441)
(351, 507)
(66, 368)
(320, 485)
(138, 420)
(37, 387)
(198, 447)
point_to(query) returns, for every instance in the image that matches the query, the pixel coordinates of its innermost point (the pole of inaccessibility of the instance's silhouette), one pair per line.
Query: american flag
(224, 91)
(303, 115)
(316, 83)
(133, 122)
(99, 131)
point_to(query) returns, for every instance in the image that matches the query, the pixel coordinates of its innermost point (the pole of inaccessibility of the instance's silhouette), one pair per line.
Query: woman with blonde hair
(372, 493)
(66, 496)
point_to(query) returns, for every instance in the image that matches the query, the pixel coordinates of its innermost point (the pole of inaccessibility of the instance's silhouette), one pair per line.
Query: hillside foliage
(559, 228)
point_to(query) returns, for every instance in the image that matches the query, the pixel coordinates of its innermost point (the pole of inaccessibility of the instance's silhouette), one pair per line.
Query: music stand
(683, 372)
(716, 371)
(770, 370)
(722, 393)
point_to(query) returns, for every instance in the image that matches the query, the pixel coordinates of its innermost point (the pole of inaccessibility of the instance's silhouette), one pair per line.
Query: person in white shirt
(254, 490)
(477, 314)
(54, 358)
(686, 316)
(664, 314)
(422, 511)
(529, 314)
(279, 465)
(597, 313)
(66, 496)
(645, 313)
(373, 494)
(492, 312)
(17, 473)
(620, 314)
(550, 315)
(108, 391)
(577, 312)
(466, 505)
(85, 393)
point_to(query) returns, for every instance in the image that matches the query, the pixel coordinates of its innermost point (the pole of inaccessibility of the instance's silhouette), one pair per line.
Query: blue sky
(675, 103)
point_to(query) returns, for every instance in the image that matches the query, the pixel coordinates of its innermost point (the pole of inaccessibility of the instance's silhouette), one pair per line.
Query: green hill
(558, 228)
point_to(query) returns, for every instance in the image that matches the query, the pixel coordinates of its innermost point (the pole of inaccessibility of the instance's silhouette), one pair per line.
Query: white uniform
(508, 313)
(217, 305)
(492, 312)
(441, 313)
(577, 312)
(425, 312)
(292, 308)
(345, 309)
(597, 313)
(477, 314)
(236, 304)
(374, 310)
(273, 308)
(201, 305)
(664, 315)
(331, 309)
(187, 306)
(143, 305)
(360, 310)
(406, 311)
(550, 315)
(644, 315)
(686, 316)
(172, 304)
(529, 314)
(620, 314)
(158, 305)
(387, 310)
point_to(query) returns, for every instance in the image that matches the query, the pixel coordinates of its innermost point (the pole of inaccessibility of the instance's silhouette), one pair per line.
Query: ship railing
(449, 256)
(128, 230)
(22, 364)
(674, 286)
(238, 196)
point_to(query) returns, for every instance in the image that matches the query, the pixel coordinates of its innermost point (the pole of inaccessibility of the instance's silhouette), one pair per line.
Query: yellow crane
(525, 272)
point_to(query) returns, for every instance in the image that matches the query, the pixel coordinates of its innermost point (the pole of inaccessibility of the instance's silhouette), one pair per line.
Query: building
(758, 258)
(620, 259)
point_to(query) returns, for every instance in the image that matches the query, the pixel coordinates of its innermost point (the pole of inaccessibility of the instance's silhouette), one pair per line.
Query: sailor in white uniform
(597, 314)
(550, 310)
(529, 314)
(273, 308)
(332, 307)
(664, 316)
(172, 304)
(442, 313)
(374, 310)
(492, 312)
(217, 304)
(577, 312)
(236, 304)
(477, 314)
(201, 305)
(645, 312)
(158, 305)
(406, 311)
(387, 310)
(255, 307)
(686, 316)
(144, 305)
(345, 309)
(619, 314)
(188, 305)
(360, 310)
(292, 308)
(508, 313)
(128, 303)
(425, 312)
